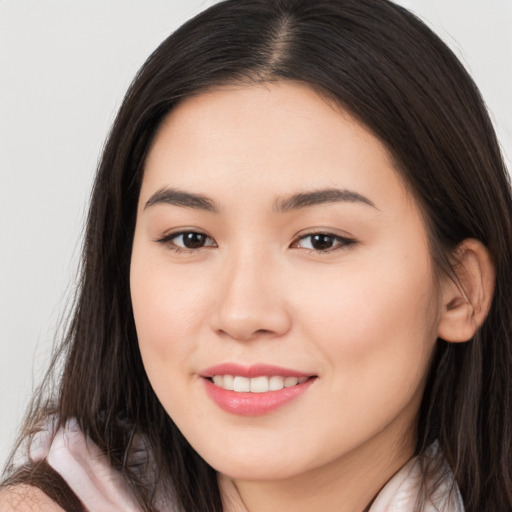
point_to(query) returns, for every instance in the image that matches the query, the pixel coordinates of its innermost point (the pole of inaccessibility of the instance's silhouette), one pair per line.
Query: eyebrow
(320, 197)
(181, 198)
(294, 202)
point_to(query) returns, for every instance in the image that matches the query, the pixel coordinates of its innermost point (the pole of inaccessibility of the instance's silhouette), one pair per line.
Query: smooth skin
(246, 262)
(226, 267)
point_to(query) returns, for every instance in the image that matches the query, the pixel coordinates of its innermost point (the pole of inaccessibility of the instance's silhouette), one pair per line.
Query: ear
(466, 300)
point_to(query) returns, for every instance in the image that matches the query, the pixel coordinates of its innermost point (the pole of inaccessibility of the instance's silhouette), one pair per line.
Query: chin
(256, 472)
(258, 464)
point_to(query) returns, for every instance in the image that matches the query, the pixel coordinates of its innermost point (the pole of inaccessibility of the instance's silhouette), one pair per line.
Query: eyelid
(168, 240)
(344, 242)
(340, 241)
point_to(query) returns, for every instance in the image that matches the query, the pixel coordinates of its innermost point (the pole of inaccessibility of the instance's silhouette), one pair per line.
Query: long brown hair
(385, 67)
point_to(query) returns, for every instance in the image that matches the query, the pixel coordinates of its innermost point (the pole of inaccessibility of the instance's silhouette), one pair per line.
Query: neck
(347, 484)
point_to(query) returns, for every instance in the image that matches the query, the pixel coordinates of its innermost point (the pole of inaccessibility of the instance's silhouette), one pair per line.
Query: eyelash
(169, 241)
(340, 242)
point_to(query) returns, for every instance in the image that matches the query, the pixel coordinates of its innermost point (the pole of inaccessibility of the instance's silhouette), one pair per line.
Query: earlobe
(467, 299)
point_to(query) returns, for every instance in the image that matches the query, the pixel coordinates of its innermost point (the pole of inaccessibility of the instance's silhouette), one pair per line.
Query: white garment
(100, 488)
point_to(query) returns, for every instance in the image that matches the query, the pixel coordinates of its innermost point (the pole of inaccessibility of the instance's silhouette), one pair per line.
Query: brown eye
(187, 240)
(192, 240)
(322, 242)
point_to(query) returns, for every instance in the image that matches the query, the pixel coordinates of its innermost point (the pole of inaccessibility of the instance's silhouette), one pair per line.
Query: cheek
(167, 316)
(168, 313)
(376, 324)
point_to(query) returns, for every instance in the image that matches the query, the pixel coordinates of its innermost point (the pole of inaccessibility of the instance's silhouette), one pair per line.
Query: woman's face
(276, 247)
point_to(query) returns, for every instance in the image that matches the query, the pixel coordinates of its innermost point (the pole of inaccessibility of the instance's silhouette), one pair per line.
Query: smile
(255, 390)
(261, 384)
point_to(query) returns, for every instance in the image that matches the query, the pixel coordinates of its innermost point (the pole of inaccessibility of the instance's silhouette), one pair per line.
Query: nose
(251, 302)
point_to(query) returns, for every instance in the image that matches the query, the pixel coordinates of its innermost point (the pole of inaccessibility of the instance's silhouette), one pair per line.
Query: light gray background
(64, 67)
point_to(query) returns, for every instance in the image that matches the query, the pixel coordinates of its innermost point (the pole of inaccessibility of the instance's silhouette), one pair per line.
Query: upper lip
(253, 370)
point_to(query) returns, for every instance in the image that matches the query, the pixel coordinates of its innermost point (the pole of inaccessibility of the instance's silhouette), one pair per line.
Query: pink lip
(255, 370)
(253, 404)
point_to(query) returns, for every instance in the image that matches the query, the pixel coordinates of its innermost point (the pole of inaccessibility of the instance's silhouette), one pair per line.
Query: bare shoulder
(25, 498)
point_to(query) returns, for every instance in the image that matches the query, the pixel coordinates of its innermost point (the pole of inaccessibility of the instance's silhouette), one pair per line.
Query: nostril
(245, 319)
(247, 335)
(263, 332)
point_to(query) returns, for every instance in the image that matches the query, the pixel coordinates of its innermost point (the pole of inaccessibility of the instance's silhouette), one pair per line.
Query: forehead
(272, 138)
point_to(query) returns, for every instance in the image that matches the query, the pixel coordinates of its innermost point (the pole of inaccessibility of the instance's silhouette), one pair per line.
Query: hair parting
(387, 69)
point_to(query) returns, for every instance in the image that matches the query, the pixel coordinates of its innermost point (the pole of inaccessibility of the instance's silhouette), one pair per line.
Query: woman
(296, 287)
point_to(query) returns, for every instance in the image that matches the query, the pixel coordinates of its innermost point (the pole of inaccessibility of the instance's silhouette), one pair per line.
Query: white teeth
(241, 384)
(260, 384)
(290, 381)
(275, 383)
(218, 380)
(228, 382)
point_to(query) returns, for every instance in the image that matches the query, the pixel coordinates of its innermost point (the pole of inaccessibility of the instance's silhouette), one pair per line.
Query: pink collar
(102, 489)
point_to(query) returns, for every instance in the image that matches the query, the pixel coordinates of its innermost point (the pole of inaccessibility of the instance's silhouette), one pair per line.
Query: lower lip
(254, 404)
